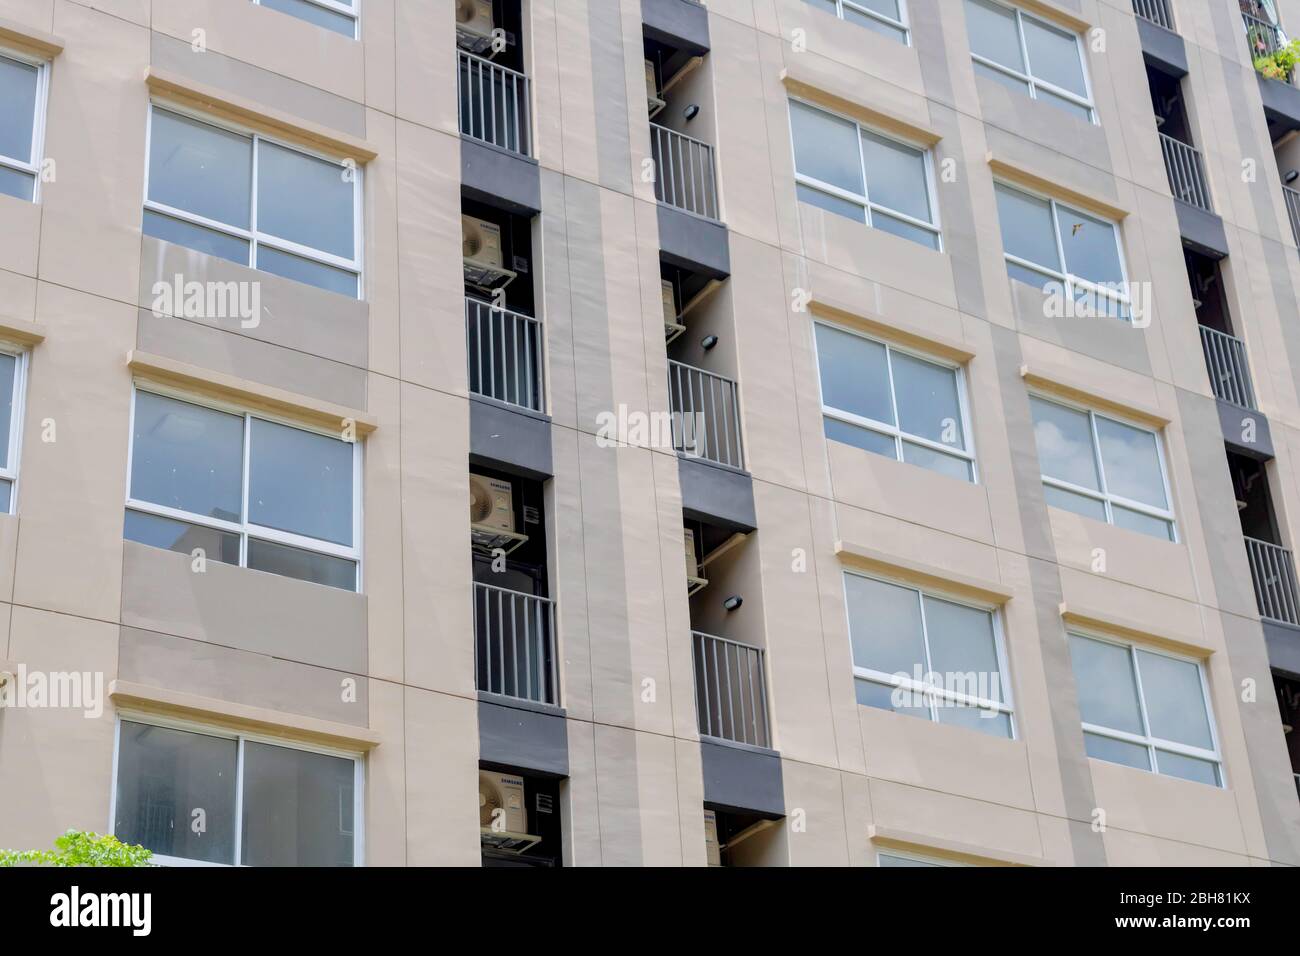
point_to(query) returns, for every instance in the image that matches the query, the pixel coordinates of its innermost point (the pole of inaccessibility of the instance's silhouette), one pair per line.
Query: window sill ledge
(923, 575)
(893, 838)
(15, 34)
(161, 370)
(22, 332)
(175, 88)
(128, 696)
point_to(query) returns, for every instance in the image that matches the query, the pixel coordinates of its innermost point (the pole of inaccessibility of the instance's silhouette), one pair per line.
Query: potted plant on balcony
(1279, 64)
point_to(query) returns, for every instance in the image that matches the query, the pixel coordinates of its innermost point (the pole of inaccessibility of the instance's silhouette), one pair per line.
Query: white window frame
(334, 7)
(252, 235)
(1105, 496)
(241, 737)
(1006, 706)
(1068, 280)
(915, 857)
(864, 200)
(1146, 739)
(245, 528)
(895, 431)
(901, 24)
(17, 413)
(1033, 82)
(32, 164)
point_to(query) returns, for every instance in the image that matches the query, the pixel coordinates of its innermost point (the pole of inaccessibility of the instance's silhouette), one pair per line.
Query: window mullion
(1060, 248)
(893, 403)
(239, 801)
(243, 516)
(1024, 51)
(862, 167)
(925, 643)
(252, 209)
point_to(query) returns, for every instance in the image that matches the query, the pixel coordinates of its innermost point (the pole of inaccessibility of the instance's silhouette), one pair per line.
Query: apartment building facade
(954, 345)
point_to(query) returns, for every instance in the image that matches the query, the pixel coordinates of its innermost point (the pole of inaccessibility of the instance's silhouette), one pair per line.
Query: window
(1057, 248)
(1146, 710)
(853, 172)
(1102, 468)
(337, 15)
(253, 201)
(13, 367)
(893, 403)
(248, 491)
(22, 125)
(899, 858)
(925, 656)
(1029, 55)
(260, 803)
(883, 16)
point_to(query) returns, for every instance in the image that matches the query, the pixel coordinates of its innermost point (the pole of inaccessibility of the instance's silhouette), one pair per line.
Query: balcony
(1280, 96)
(706, 415)
(731, 691)
(1186, 172)
(505, 355)
(1273, 571)
(1155, 11)
(684, 173)
(496, 136)
(1225, 357)
(691, 237)
(1292, 197)
(514, 637)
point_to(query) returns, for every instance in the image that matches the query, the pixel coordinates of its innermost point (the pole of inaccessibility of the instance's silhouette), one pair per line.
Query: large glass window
(893, 403)
(22, 124)
(1062, 250)
(208, 797)
(854, 172)
(12, 388)
(1102, 468)
(255, 202)
(337, 15)
(1029, 55)
(246, 490)
(927, 656)
(887, 17)
(1145, 709)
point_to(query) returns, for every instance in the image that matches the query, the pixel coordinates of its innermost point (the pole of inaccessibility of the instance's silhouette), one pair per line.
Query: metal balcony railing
(1292, 197)
(684, 172)
(1225, 357)
(1273, 570)
(1157, 11)
(505, 355)
(706, 415)
(494, 104)
(1186, 173)
(731, 691)
(1262, 37)
(514, 635)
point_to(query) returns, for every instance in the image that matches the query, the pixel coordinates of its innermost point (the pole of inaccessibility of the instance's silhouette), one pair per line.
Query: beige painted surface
(74, 597)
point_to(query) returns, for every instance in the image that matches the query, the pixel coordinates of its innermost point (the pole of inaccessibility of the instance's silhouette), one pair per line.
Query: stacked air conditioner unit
(654, 103)
(673, 325)
(492, 515)
(695, 582)
(481, 249)
(503, 813)
(474, 25)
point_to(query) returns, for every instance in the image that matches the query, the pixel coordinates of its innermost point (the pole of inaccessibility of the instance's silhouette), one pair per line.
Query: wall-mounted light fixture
(708, 342)
(733, 602)
(1291, 176)
(691, 112)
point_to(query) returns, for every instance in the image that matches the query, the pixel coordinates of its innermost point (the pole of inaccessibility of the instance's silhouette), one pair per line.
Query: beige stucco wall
(73, 597)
